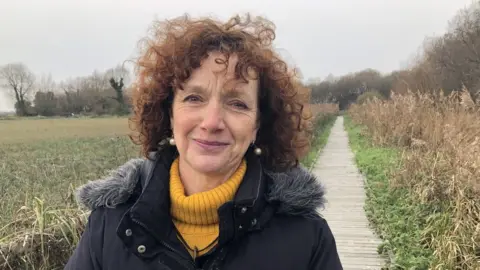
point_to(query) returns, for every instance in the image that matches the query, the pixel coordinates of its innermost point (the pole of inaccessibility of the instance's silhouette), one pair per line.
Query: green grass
(41, 162)
(323, 125)
(49, 169)
(396, 216)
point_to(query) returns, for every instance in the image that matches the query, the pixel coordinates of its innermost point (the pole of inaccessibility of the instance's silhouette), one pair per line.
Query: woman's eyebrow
(195, 89)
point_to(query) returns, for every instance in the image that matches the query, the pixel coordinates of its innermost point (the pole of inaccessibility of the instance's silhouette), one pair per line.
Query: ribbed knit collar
(201, 208)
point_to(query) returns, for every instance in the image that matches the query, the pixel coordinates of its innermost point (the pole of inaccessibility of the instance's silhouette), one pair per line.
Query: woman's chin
(209, 168)
(210, 164)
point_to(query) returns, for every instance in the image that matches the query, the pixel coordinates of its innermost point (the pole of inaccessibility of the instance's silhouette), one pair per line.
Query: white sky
(69, 38)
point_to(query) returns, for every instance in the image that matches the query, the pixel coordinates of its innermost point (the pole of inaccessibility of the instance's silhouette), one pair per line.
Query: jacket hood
(297, 192)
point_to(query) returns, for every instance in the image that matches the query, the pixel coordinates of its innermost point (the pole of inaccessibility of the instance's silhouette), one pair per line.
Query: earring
(257, 151)
(171, 141)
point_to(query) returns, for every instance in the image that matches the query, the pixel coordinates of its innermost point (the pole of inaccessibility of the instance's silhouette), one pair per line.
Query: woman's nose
(213, 117)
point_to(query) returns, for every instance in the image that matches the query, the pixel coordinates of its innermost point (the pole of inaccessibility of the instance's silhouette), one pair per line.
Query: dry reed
(440, 136)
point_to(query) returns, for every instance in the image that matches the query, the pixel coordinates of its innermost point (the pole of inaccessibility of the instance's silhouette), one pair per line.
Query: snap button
(141, 249)
(128, 232)
(243, 210)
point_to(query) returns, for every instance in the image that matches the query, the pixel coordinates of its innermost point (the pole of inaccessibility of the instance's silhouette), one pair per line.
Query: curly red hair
(178, 46)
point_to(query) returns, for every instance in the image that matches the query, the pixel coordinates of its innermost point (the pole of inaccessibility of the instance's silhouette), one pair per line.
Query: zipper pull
(195, 253)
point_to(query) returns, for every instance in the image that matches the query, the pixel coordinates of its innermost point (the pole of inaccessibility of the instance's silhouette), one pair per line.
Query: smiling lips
(210, 146)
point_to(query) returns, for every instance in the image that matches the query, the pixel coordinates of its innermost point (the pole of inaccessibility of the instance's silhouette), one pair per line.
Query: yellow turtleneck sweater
(196, 216)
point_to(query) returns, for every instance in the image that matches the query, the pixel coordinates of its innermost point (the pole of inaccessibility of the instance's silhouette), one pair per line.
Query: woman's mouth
(211, 146)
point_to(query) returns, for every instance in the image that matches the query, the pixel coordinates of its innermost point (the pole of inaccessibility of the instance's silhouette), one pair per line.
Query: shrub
(369, 96)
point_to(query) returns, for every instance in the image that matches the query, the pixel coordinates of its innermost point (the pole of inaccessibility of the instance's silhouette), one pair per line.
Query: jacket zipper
(176, 252)
(209, 260)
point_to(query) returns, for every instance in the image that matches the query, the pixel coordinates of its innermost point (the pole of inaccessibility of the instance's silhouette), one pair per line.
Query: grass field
(32, 130)
(42, 161)
(46, 158)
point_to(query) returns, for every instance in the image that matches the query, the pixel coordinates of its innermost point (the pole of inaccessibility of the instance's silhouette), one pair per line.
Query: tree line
(96, 94)
(450, 62)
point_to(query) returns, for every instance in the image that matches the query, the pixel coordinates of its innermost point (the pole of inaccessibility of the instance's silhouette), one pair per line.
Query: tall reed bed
(439, 137)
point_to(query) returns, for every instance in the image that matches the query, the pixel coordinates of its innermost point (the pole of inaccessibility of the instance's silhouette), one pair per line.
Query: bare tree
(117, 73)
(119, 77)
(46, 84)
(18, 80)
(97, 82)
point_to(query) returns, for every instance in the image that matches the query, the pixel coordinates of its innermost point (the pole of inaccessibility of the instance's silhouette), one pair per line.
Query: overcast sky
(68, 38)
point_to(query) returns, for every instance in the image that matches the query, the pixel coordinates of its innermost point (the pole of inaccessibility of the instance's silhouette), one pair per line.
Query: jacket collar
(296, 192)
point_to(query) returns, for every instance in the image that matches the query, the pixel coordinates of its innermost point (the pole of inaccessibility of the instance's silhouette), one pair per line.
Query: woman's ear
(254, 134)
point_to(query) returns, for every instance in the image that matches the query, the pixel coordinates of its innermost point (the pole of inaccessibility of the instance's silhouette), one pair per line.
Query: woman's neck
(195, 182)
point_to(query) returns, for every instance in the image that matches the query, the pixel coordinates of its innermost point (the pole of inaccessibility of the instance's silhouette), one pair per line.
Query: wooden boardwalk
(344, 212)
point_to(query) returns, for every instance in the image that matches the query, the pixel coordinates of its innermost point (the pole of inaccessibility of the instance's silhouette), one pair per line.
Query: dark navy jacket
(272, 223)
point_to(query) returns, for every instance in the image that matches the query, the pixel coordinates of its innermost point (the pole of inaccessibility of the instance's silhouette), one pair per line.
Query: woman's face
(214, 117)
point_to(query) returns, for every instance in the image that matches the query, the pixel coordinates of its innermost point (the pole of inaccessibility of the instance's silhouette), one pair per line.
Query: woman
(222, 126)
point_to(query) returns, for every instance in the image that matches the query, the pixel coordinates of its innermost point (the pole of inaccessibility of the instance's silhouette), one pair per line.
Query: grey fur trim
(297, 192)
(112, 190)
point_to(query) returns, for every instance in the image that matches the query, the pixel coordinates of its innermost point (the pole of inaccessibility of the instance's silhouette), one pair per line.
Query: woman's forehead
(206, 81)
(235, 88)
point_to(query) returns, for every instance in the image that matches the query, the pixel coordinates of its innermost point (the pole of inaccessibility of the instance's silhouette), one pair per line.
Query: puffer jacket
(272, 222)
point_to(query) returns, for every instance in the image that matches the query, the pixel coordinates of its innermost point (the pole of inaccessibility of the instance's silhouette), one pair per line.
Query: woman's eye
(239, 105)
(192, 98)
